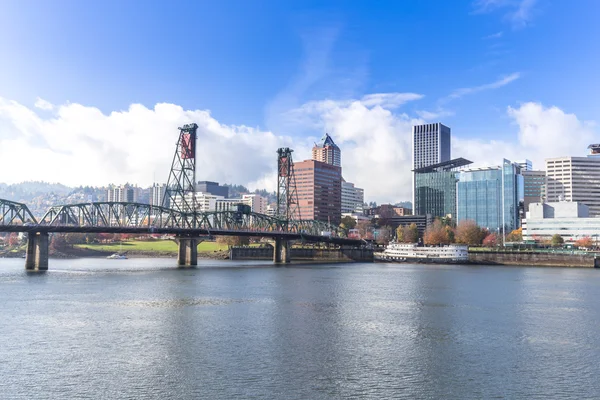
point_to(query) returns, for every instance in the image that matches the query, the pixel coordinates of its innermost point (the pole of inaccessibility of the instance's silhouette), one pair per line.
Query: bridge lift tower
(180, 193)
(287, 195)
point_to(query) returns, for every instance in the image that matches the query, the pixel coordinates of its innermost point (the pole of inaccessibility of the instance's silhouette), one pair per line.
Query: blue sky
(251, 62)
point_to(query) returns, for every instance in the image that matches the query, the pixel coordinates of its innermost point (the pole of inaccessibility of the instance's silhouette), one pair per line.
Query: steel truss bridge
(123, 217)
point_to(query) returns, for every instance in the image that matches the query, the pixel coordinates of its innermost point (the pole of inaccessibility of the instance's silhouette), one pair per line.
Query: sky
(92, 93)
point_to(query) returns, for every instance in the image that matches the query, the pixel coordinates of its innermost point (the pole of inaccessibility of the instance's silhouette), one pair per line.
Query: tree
(74, 238)
(585, 242)
(13, 239)
(467, 232)
(348, 222)
(384, 235)
(364, 227)
(411, 233)
(556, 240)
(233, 240)
(400, 234)
(436, 234)
(515, 236)
(58, 242)
(491, 240)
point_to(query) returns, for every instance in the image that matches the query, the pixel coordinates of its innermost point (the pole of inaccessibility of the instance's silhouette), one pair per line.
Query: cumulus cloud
(43, 104)
(81, 145)
(543, 132)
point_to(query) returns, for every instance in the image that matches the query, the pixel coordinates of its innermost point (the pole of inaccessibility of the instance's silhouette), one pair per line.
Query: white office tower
(575, 179)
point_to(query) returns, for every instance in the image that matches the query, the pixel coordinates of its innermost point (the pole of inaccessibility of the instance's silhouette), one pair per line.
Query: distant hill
(26, 191)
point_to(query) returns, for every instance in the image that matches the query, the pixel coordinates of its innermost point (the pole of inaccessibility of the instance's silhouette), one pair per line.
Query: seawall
(303, 254)
(534, 258)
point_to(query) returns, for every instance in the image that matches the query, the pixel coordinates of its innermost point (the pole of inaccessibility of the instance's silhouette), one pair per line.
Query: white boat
(412, 252)
(117, 256)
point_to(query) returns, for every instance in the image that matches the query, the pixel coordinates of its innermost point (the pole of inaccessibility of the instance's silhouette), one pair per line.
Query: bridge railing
(13, 213)
(138, 215)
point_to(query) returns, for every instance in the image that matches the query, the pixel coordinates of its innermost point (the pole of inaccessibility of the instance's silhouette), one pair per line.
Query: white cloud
(81, 145)
(496, 35)
(43, 104)
(434, 115)
(389, 100)
(543, 132)
(488, 86)
(78, 144)
(518, 12)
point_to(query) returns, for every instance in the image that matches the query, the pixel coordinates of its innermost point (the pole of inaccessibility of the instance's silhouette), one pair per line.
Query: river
(142, 329)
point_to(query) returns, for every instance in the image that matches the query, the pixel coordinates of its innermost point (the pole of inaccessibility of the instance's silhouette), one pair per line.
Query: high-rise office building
(575, 179)
(431, 145)
(212, 188)
(319, 187)
(122, 193)
(353, 199)
(257, 203)
(157, 195)
(490, 196)
(327, 152)
(435, 188)
(533, 187)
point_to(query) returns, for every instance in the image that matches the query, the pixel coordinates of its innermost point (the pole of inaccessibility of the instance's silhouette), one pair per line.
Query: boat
(413, 252)
(117, 256)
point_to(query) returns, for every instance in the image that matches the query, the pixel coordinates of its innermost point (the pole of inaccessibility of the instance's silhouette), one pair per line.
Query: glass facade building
(491, 196)
(435, 188)
(435, 193)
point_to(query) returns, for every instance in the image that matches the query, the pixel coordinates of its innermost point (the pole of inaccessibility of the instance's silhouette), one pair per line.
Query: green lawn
(154, 245)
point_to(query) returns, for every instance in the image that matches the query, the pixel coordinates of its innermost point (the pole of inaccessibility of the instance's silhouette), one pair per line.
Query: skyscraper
(431, 145)
(319, 188)
(575, 179)
(157, 195)
(327, 152)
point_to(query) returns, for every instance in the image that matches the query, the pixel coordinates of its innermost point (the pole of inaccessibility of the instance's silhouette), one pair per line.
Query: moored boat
(412, 252)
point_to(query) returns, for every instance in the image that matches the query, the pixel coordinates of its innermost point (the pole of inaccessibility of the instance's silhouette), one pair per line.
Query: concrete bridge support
(36, 258)
(188, 252)
(281, 251)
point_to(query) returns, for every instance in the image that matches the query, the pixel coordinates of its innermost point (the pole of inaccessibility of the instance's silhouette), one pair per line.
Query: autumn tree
(515, 236)
(584, 242)
(384, 235)
(556, 240)
(233, 240)
(364, 227)
(467, 232)
(13, 239)
(411, 233)
(348, 222)
(58, 242)
(491, 240)
(400, 234)
(436, 233)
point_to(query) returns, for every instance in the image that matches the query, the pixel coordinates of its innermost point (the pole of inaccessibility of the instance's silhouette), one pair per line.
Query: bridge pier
(188, 252)
(281, 251)
(36, 258)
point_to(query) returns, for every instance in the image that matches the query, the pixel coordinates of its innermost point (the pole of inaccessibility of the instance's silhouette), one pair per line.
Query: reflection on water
(141, 328)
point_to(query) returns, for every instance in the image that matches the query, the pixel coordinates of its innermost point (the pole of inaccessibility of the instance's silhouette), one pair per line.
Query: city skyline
(506, 110)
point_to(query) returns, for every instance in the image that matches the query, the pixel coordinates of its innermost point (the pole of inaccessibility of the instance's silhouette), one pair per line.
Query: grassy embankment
(163, 246)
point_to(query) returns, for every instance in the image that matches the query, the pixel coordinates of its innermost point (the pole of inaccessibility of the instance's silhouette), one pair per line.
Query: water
(138, 328)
